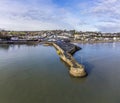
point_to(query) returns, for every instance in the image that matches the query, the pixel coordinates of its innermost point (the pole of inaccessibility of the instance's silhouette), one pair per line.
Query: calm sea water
(35, 74)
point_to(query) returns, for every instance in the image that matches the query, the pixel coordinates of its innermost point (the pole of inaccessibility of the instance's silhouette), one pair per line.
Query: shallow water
(35, 74)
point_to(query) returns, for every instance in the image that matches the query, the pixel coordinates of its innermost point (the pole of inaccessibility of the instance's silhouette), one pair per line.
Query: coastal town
(54, 35)
(60, 40)
(59, 51)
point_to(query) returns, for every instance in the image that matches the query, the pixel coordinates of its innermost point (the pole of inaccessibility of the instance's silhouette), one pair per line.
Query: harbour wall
(76, 69)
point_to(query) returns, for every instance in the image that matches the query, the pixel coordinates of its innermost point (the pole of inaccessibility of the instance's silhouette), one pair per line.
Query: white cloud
(95, 15)
(36, 15)
(108, 7)
(107, 14)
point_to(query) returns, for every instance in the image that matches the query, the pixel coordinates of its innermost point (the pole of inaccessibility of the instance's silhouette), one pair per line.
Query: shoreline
(93, 42)
(43, 42)
(19, 42)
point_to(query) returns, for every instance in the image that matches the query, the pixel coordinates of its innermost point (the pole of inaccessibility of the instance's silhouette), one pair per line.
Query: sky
(81, 15)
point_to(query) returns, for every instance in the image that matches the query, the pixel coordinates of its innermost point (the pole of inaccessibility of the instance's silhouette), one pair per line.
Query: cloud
(84, 15)
(19, 16)
(36, 15)
(107, 7)
(107, 14)
(109, 26)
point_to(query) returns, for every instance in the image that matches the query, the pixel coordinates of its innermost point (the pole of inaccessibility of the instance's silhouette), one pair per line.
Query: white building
(77, 36)
(14, 38)
(62, 37)
(114, 38)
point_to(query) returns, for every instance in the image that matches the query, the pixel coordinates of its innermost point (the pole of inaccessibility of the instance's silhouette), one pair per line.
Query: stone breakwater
(65, 51)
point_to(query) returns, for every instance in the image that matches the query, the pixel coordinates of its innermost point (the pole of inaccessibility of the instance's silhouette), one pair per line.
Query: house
(114, 38)
(14, 38)
(51, 40)
(62, 37)
(77, 36)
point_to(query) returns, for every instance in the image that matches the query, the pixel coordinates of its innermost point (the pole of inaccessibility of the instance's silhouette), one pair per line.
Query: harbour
(59, 51)
(44, 78)
(65, 51)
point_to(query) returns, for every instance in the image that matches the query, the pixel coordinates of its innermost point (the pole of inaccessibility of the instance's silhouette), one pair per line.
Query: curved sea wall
(76, 69)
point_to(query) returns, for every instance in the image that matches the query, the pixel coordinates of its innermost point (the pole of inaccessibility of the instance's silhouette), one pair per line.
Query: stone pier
(65, 51)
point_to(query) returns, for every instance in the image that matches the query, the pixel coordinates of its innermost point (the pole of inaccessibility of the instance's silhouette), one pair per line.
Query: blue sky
(81, 15)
